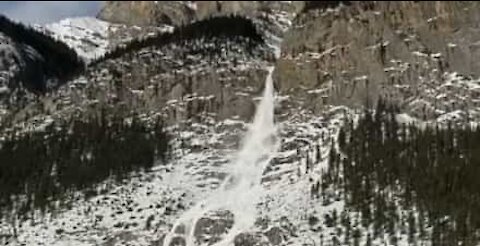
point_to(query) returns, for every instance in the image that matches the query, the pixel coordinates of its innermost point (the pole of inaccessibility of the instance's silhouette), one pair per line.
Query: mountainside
(146, 13)
(421, 55)
(87, 36)
(363, 125)
(31, 63)
(53, 59)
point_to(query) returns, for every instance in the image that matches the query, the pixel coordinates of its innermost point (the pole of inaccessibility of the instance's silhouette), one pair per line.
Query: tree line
(383, 166)
(62, 63)
(229, 27)
(40, 167)
(57, 59)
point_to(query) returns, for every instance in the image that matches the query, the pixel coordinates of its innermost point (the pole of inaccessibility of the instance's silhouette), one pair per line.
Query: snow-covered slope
(87, 35)
(143, 209)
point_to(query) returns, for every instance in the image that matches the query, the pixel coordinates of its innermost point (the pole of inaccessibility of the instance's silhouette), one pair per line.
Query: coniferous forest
(41, 167)
(62, 62)
(233, 27)
(405, 178)
(57, 59)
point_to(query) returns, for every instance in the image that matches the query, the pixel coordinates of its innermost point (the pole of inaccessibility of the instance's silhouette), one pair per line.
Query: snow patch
(86, 35)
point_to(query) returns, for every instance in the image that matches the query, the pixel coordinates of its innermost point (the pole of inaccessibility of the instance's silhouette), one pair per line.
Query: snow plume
(241, 190)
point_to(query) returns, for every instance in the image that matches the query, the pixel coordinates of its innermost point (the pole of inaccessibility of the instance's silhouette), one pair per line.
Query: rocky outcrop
(180, 82)
(421, 55)
(135, 13)
(210, 228)
(405, 51)
(250, 239)
(203, 78)
(353, 52)
(152, 13)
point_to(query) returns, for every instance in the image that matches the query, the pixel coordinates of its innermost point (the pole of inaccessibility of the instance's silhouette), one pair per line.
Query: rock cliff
(405, 51)
(144, 13)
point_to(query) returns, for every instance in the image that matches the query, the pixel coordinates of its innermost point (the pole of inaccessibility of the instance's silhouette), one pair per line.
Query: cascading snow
(240, 191)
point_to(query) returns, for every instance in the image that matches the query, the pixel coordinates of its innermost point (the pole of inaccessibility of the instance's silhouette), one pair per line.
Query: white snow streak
(241, 190)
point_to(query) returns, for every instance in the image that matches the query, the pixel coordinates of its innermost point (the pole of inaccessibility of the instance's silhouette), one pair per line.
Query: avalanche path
(238, 195)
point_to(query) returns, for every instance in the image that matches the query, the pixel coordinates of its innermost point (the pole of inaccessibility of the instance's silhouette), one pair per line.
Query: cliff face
(140, 13)
(145, 13)
(200, 78)
(344, 53)
(186, 79)
(421, 55)
(405, 51)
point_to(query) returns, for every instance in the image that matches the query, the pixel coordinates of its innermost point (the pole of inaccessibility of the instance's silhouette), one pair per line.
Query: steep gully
(239, 193)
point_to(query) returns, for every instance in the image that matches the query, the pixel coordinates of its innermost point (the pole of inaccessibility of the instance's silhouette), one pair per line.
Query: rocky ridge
(420, 54)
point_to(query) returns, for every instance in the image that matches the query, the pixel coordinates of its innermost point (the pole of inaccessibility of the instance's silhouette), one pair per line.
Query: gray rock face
(250, 239)
(135, 13)
(275, 235)
(210, 228)
(160, 80)
(350, 53)
(180, 12)
(178, 241)
(421, 55)
(176, 80)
